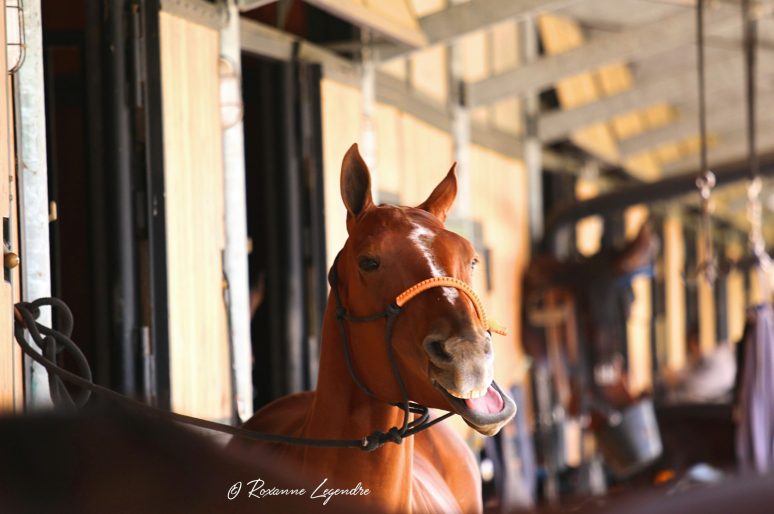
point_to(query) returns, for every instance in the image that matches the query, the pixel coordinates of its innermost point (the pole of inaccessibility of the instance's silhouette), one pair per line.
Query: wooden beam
(732, 149)
(727, 116)
(723, 76)
(642, 192)
(635, 43)
(199, 11)
(263, 40)
(260, 39)
(249, 5)
(399, 25)
(685, 125)
(461, 19)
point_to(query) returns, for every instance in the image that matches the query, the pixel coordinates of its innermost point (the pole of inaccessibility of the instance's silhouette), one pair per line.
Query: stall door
(10, 358)
(200, 376)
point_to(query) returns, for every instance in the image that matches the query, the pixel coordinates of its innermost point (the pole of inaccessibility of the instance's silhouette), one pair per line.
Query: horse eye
(368, 264)
(474, 263)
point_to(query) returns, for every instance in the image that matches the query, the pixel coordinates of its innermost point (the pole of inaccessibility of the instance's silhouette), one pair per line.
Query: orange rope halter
(430, 283)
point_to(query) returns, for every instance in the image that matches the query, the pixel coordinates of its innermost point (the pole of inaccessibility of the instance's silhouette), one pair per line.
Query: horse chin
(482, 420)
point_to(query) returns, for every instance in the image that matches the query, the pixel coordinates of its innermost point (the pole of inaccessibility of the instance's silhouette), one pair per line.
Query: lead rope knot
(377, 439)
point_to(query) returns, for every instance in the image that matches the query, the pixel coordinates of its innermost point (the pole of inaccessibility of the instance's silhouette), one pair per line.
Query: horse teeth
(470, 395)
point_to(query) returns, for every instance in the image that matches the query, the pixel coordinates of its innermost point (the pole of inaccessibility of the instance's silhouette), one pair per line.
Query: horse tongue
(490, 403)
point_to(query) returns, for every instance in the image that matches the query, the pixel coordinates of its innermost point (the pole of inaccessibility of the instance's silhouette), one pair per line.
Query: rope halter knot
(489, 324)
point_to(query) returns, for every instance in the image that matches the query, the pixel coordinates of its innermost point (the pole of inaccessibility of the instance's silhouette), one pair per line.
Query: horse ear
(441, 199)
(640, 251)
(355, 183)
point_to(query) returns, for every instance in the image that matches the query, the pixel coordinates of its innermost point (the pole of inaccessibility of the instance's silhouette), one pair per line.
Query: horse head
(440, 342)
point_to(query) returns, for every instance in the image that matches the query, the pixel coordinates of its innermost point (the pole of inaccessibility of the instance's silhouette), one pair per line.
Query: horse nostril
(437, 352)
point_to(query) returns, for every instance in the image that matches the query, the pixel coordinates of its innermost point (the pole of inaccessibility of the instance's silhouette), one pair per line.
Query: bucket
(631, 440)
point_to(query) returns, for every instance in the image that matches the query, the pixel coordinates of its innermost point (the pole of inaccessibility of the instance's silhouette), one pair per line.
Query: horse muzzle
(462, 367)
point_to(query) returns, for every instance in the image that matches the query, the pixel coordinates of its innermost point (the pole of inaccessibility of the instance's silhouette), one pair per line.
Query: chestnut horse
(442, 353)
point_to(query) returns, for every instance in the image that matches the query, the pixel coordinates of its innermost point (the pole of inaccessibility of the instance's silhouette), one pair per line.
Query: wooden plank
(193, 170)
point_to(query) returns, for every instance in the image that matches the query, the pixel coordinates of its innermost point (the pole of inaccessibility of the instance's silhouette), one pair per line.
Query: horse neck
(341, 410)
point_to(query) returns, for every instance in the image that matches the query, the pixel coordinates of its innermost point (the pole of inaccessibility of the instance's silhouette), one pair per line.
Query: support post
(33, 190)
(461, 132)
(533, 154)
(367, 106)
(235, 254)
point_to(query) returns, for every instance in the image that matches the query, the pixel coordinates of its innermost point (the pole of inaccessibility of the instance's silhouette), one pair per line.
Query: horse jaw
(487, 413)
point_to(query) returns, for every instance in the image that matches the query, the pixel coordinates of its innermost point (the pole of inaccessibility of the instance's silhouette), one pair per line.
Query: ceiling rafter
(461, 19)
(728, 116)
(632, 44)
(559, 124)
(731, 148)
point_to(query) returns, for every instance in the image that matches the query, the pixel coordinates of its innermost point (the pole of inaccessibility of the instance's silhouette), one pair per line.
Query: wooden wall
(11, 383)
(193, 169)
(638, 326)
(674, 285)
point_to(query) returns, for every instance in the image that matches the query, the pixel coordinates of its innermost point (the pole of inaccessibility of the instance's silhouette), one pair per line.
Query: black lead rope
(53, 342)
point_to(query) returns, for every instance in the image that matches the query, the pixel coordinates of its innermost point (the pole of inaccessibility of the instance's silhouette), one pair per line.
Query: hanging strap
(755, 213)
(705, 181)
(754, 207)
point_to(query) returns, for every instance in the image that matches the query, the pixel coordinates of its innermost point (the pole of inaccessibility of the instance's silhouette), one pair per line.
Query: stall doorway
(285, 223)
